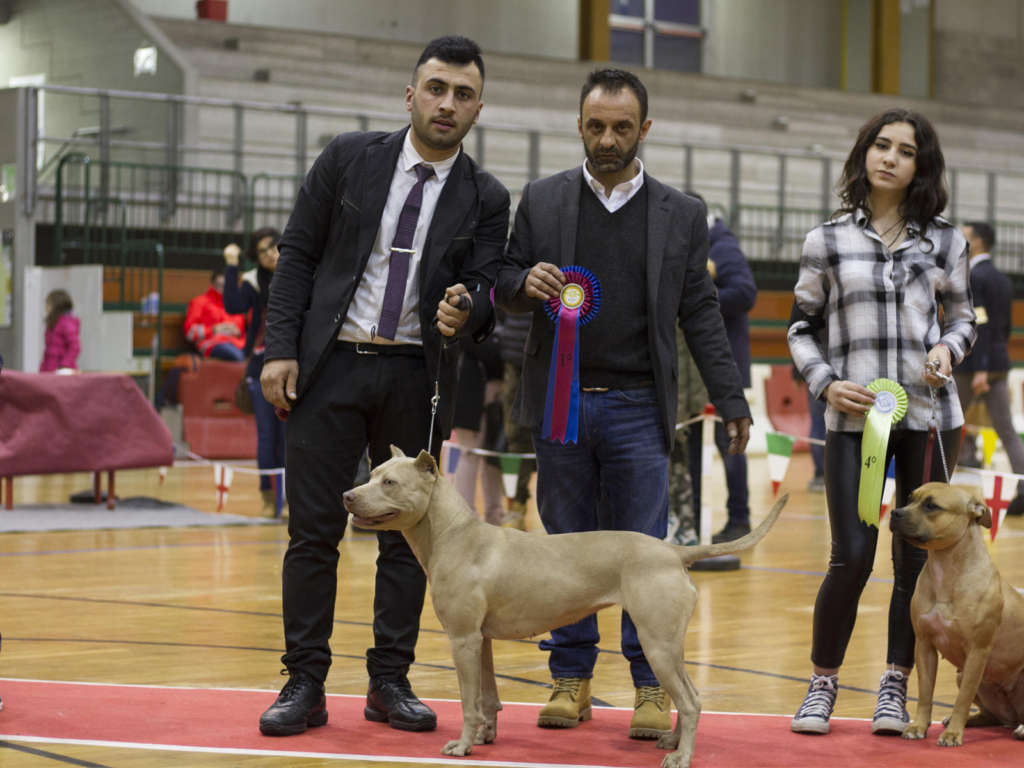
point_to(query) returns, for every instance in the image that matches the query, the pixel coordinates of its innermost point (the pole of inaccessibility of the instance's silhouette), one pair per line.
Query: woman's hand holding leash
(939, 367)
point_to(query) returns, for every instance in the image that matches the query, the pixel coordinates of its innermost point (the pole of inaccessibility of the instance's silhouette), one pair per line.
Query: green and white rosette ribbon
(890, 406)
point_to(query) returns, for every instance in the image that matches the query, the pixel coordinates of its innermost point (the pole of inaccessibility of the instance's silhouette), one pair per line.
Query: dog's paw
(676, 760)
(486, 733)
(1018, 732)
(950, 738)
(914, 731)
(457, 749)
(668, 741)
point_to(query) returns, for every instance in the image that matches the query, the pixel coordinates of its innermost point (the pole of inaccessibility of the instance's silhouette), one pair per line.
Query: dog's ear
(425, 463)
(396, 452)
(980, 511)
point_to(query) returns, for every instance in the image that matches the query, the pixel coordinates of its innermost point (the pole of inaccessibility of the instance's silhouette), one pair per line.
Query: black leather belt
(386, 350)
(633, 385)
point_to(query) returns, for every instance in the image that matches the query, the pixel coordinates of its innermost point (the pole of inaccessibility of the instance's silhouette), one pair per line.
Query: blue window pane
(628, 7)
(679, 53)
(627, 46)
(679, 11)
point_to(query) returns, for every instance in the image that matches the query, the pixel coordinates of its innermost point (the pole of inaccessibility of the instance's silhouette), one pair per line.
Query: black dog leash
(462, 304)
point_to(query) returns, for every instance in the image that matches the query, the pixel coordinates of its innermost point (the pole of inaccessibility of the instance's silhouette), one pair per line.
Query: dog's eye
(930, 505)
(388, 481)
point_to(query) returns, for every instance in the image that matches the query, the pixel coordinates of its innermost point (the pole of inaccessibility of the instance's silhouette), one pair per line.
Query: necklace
(898, 227)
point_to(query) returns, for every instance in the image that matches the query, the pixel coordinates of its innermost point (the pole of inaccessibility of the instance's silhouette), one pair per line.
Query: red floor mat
(219, 719)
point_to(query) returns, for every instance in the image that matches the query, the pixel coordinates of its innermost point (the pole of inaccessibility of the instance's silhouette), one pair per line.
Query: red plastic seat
(211, 424)
(786, 404)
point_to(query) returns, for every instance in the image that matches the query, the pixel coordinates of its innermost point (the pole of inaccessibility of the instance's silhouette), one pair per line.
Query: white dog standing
(488, 582)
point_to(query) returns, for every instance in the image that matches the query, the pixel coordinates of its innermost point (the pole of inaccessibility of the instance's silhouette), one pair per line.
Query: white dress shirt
(364, 312)
(621, 193)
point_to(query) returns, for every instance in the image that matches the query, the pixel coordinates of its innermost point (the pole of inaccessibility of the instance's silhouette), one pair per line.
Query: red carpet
(225, 720)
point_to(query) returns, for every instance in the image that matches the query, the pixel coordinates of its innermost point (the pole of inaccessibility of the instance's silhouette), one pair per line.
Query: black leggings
(854, 542)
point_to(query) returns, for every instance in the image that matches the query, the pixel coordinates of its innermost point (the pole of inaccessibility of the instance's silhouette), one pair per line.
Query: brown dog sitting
(964, 610)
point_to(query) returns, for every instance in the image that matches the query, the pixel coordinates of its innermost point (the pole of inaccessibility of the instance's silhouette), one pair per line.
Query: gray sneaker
(814, 713)
(891, 711)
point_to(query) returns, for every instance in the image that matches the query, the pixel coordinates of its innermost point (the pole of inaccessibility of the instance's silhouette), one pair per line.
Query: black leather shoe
(391, 701)
(730, 532)
(300, 705)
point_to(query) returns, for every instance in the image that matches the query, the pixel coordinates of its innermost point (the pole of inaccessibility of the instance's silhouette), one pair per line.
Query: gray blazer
(679, 289)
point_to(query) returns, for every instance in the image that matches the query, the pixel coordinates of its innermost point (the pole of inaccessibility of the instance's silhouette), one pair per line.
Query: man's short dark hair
(452, 49)
(613, 81)
(216, 272)
(984, 232)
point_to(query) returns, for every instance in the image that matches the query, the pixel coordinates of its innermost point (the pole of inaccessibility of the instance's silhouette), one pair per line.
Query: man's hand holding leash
(453, 309)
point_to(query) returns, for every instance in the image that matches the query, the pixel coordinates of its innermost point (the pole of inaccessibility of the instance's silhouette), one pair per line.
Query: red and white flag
(999, 492)
(222, 476)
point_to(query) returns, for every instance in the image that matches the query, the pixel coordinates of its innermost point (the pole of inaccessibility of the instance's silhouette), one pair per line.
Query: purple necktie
(401, 253)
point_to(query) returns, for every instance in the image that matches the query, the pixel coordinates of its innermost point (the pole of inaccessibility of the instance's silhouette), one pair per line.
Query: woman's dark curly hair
(926, 196)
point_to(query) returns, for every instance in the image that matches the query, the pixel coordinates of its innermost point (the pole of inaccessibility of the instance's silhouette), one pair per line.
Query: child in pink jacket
(62, 346)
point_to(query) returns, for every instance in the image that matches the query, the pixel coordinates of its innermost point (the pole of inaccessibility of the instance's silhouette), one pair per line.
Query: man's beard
(611, 161)
(422, 125)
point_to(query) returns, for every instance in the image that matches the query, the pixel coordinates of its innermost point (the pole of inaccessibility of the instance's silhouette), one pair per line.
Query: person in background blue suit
(737, 293)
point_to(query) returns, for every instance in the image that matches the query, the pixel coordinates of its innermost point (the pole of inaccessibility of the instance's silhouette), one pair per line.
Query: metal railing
(277, 142)
(771, 234)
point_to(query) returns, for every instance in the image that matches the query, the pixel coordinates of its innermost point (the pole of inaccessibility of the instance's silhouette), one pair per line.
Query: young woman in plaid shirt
(867, 306)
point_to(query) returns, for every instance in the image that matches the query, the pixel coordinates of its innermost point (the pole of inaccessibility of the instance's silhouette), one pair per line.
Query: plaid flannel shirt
(862, 312)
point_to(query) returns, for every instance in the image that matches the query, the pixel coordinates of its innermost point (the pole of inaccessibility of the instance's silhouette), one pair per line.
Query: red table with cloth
(88, 422)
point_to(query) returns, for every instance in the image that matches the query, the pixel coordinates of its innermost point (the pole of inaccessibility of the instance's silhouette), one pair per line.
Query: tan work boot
(569, 704)
(652, 713)
(269, 503)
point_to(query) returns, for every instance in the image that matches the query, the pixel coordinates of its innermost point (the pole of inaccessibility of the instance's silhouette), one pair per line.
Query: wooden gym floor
(201, 607)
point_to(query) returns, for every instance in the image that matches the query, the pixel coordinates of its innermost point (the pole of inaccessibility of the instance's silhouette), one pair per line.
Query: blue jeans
(816, 407)
(269, 434)
(738, 502)
(227, 351)
(615, 478)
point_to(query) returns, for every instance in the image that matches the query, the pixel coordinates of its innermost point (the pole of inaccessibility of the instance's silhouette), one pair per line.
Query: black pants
(854, 542)
(355, 401)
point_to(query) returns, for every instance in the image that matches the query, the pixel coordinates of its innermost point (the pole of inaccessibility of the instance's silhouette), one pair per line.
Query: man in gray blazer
(603, 446)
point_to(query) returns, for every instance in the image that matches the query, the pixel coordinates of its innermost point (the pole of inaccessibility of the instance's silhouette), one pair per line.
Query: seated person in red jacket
(210, 328)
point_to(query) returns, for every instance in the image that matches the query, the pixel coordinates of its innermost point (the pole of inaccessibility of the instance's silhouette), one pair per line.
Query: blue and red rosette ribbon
(574, 307)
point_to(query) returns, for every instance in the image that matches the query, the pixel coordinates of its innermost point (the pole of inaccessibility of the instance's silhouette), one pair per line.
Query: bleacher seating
(284, 66)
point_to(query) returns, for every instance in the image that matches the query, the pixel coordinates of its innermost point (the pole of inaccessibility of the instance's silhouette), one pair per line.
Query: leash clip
(932, 366)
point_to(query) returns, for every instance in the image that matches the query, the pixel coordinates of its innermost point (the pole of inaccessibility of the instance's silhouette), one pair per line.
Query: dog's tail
(691, 554)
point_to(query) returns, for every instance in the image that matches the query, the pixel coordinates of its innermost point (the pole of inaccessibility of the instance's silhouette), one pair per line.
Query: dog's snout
(898, 513)
(348, 497)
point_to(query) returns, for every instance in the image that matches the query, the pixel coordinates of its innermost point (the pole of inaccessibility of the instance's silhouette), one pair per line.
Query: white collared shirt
(621, 193)
(364, 312)
(976, 260)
